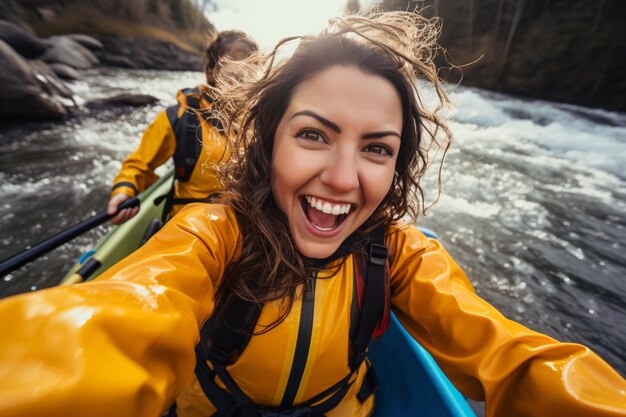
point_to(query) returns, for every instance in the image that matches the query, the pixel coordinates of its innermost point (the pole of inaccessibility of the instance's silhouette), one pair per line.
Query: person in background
(188, 132)
(264, 304)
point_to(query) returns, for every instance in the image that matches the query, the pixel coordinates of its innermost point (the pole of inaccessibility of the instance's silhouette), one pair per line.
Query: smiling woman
(346, 144)
(265, 303)
(339, 123)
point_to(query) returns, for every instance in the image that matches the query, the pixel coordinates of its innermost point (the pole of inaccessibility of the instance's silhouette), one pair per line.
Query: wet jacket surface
(157, 146)
(123, 345)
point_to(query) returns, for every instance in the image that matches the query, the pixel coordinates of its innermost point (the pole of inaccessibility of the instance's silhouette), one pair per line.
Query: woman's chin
(316, 250)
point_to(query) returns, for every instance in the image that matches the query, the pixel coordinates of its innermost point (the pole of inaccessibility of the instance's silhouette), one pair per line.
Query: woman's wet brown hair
(396, 46)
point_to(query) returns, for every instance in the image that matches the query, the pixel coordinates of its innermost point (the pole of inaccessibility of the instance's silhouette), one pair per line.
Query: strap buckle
(357, 360)
(378, 254)
(217, 356)
(369, 385)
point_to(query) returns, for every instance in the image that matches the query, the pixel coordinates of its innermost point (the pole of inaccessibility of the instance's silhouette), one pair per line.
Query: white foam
(475, 208)
(590, 138)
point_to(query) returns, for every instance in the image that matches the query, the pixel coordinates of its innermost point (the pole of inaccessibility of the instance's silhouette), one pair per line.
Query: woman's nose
(341, 172)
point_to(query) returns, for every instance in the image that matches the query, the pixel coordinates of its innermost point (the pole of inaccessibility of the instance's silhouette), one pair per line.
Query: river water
(533, 205)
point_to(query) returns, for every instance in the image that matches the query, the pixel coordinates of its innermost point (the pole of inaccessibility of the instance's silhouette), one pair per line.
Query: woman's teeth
(328, 208)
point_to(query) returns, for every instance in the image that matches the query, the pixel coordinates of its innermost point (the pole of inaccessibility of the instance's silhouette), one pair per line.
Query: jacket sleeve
(157, 145)
(516, 371)
(122, 345)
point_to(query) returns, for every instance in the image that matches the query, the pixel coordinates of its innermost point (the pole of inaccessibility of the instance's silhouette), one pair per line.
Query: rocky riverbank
(141, 53)
(35, 70)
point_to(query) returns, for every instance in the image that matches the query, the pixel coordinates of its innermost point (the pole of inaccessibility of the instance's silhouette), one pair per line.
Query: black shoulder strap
(222, 339)
(172, 115)
(227, 333)
(188, 141)
(188, 135)
(373, 305)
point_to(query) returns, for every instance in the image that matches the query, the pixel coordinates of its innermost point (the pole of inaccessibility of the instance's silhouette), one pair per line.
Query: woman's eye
(310, 134)
(380, 149)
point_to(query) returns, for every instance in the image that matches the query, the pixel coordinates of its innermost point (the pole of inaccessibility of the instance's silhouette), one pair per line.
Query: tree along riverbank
(558, 50)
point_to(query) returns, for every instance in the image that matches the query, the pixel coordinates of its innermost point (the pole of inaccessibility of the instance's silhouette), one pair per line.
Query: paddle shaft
(18, 260)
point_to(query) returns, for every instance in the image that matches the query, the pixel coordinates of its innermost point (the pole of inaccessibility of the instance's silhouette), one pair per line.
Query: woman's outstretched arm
(516, 371)
(122, 345)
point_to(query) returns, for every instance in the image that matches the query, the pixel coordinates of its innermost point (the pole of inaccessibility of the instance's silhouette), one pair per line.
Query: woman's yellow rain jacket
(157, 146)
(123, 345)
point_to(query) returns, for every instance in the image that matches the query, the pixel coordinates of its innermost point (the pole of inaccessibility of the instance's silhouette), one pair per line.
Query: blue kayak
(410, 383)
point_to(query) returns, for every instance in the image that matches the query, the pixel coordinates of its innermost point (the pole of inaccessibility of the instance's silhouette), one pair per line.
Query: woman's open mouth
(324, 215)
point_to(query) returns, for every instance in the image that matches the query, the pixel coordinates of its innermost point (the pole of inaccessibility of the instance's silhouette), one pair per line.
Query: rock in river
(24, 43)
(124, 99)
(28, 91)
(65, 50)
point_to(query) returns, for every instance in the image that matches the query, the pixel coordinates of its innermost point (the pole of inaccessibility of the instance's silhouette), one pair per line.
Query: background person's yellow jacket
(158, 145)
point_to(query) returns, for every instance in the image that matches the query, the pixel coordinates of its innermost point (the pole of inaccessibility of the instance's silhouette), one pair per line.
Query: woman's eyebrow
(377, 135)
(333, 126)
(321, 119)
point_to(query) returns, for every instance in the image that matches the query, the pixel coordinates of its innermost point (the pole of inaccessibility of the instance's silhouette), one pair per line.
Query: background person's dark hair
(221, 46)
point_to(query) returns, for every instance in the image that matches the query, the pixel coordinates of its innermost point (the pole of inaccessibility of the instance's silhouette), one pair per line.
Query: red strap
(359, 285)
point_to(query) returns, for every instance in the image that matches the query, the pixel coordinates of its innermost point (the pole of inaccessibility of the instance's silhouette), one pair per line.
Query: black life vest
(222, 343)
(188, 141)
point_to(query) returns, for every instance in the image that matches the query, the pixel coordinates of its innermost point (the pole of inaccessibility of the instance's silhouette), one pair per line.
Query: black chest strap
(222, 343)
